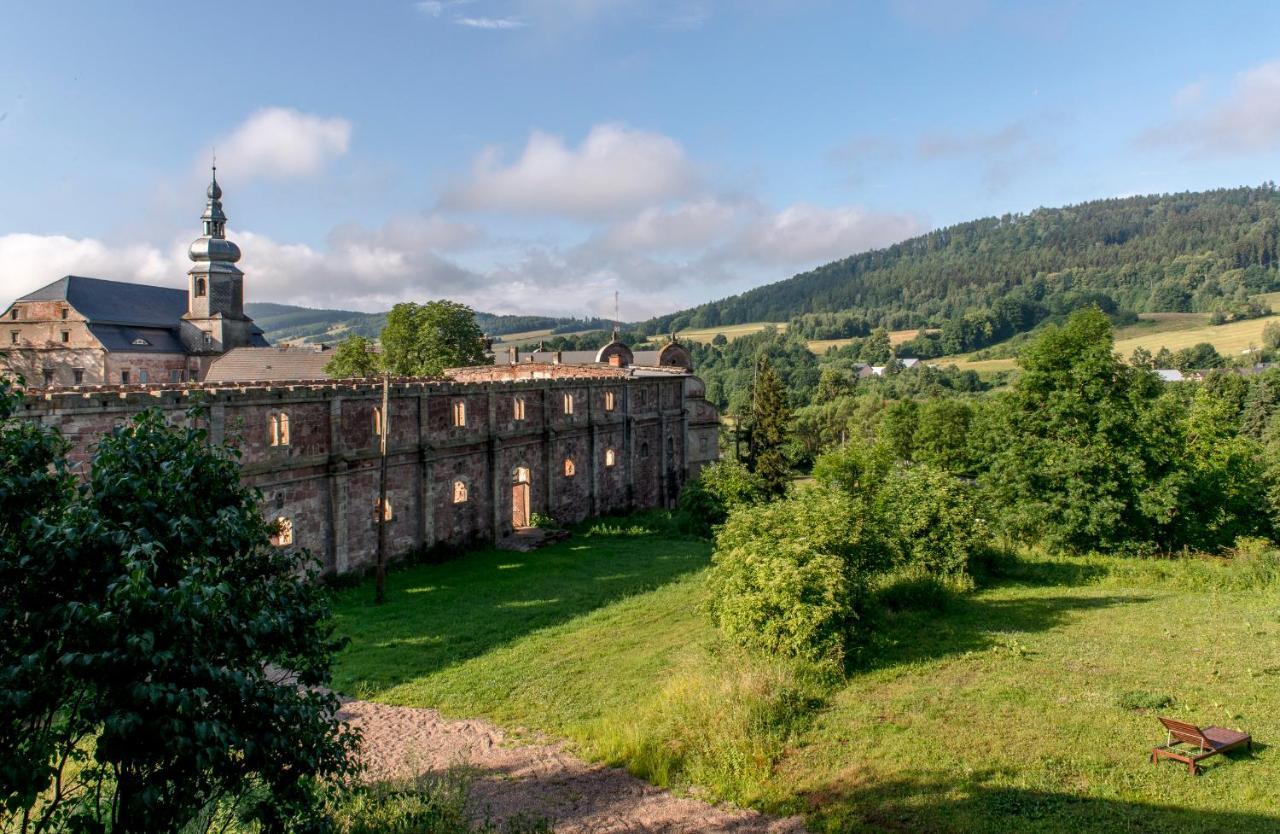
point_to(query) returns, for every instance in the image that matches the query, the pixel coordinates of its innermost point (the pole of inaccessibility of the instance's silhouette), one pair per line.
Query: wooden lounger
(1188, 743)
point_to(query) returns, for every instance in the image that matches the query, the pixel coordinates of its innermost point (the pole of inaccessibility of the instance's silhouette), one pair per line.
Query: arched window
(280, 429)
(610, 457)
(609, 401)
(459, 492)
(377, 421)
(200, 288)
(521, 475)
(568, 403)
(284, 532)
(644, 450)
(517, 408)
(459, 413)
(569, 468)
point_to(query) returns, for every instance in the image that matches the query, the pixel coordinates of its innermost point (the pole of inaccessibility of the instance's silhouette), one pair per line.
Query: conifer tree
(770, 419)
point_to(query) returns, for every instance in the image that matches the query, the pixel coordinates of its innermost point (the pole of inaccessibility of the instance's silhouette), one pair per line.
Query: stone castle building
(90, 331)
(471, 456)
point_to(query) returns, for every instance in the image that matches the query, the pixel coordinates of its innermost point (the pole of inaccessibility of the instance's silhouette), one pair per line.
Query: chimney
(513, 354)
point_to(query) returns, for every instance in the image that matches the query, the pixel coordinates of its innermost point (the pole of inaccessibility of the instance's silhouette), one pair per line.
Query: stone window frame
(460, 490)
(66, 336)
(78, 375)
(569, 468)
(610, 401)
(459, 406)
(278, 429)
(568, 403)
(517, 408)
(283, 536)
(610, 458)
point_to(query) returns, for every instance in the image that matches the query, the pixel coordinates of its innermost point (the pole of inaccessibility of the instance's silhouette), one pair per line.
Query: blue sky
(536, 155)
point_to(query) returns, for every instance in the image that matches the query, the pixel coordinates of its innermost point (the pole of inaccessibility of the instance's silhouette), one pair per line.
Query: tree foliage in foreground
(143, 615)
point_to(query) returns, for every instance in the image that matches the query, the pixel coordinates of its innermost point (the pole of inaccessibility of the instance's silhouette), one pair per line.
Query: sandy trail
(539, 779)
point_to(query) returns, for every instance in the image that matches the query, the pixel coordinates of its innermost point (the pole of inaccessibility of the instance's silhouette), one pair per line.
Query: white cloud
(282, 143)
(490, 22)
(1246, 120)
(28, 262)
(802, 235)
(689, 225)
(614, 170)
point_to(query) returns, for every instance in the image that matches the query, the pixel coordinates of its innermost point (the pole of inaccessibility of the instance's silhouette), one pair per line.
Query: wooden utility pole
(380, 575)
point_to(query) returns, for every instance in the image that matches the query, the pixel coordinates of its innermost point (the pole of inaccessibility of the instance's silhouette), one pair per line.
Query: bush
(544, 522)
(931, 524)
(707, 500)
(426, 805)
(791, 577)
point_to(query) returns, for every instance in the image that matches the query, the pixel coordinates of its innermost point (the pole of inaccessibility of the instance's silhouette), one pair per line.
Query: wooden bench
(1188, 743)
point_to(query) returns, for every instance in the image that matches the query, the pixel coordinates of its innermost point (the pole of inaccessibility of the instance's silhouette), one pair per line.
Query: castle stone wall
(629, 443)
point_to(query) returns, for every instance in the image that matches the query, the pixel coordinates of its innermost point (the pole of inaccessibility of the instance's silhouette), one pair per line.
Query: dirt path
(543, 780)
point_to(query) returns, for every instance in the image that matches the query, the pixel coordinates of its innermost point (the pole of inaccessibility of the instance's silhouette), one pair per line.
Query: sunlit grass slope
(1024, 707)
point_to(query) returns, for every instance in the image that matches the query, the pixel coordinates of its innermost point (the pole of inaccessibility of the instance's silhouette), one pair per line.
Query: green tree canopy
(354, 357)
(147, 623)
(424, 339)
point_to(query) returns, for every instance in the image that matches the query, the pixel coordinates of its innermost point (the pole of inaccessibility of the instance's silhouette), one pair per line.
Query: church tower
(215, 321)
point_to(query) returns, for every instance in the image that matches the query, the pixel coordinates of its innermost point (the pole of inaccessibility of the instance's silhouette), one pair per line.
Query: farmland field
(1026, 706)
(730, 331)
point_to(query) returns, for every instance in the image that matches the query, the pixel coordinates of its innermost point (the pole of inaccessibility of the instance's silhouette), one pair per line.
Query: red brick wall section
(325, 479)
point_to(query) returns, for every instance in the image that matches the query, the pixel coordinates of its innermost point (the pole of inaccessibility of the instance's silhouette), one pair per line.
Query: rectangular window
(280, 429)
(517, 408)
(13, 314)
(284, 532)
(78, 375)
(124, 377)
(608, 401)
(64, 313)
(48, 377)
(568, 403)
(175, 376)
(143, 376)
(13, 337)
(66, 336)
(459, 413)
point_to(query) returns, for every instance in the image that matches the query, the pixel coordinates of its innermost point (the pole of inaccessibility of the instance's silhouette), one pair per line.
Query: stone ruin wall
(325, 479)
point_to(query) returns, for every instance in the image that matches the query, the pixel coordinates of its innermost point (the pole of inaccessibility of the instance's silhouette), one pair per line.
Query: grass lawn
(1018, 708)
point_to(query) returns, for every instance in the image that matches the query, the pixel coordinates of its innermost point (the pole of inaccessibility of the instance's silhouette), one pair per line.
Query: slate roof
(116, 302)
(120, 312)
(119, 338)
(270, 364)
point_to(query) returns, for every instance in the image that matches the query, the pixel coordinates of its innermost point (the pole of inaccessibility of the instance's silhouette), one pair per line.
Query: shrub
(791, 576)
(720, 487)
(425, 805)
(544, 522)
(931, 524)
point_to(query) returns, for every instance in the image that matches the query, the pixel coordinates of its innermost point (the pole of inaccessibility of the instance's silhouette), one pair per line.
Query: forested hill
(285, 322)
(1195, 251)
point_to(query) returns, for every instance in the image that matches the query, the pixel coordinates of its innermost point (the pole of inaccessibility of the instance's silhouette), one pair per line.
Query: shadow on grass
(441, 614)
(972, 624)
(941, 804)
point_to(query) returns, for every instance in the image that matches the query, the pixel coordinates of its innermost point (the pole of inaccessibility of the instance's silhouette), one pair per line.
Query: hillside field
(1026, 706)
